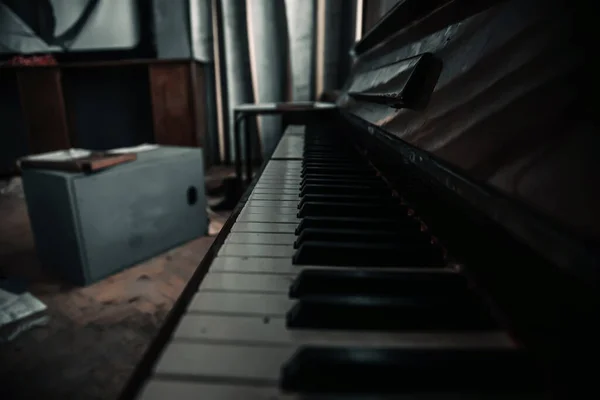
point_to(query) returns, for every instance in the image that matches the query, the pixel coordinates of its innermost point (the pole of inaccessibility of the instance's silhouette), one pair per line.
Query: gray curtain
(278, 50)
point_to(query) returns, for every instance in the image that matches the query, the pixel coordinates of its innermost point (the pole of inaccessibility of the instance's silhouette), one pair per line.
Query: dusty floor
(97, 334)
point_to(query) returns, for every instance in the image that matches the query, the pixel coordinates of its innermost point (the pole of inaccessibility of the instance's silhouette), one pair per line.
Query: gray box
(88, 226)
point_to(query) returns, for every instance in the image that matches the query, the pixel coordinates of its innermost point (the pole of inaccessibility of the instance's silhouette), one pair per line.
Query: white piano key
(252, 330)
(273, 203)
(260, 238)
(232, 282)
(254, 265)
(157, 389)
(268, 265)
(268, 218)
(277, 185)
(262, 210)
(281, 179)
(263, 227)
(294, 192)
(256, 365)
(223, 303)
(275, 196)
(161, 389)
(256, 250)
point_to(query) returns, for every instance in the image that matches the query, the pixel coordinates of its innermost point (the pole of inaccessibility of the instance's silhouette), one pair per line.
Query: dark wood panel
(172, 105)
(108, 107)
(509, 107)
(199, 110)
(43, 108)
(13, 141)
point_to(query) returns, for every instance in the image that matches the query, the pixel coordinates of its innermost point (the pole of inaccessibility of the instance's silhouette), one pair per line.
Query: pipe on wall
(301, 27)
(267, 43)
(237, 65)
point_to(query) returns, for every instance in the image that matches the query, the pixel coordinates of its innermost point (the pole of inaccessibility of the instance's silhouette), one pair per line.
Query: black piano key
(367, 210)
(363, 236)
(391, 223)
(318, 282)
(451, 372)
(332, 198)
(407, 313)
(359, 180)
(356, 254)
(311, 177)
(345, 189)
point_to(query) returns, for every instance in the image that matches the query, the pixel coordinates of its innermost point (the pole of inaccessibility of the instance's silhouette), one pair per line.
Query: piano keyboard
(327, 286)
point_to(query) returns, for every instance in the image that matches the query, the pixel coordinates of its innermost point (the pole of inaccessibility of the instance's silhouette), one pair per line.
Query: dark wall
(108, 107)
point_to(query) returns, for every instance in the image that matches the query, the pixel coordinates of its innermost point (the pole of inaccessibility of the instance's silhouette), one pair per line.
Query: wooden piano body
(467, 118)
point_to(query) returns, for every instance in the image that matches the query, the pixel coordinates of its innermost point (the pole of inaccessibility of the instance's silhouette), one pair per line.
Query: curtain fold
(277, 50)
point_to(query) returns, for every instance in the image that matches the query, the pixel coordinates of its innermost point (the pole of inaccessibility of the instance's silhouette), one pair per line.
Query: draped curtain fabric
(277, 50)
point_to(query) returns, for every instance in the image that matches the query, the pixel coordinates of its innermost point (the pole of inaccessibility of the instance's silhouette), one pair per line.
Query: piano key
(268, 218)
(390, 284)
(263, 227)
(283, 210)
(159, 389)
(232, 282)
(243, 364)
(274, 196)
(223, 303)
(408, 371)
(364, 254)
(275, 191)
(440, 370)
(269, 265)
(408, 313)
(260, 238)
(272, 204)
(277, 185)
(280, 179)
(254, 250)
(256, 330)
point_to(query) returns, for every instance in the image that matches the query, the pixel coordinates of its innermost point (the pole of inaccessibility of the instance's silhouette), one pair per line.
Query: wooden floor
(97, 334)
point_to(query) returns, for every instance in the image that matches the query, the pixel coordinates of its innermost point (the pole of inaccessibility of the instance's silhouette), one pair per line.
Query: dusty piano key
(161, 389)
(266, 227)
(270, 265)
(233, 282)
(256, 250)
(275, 191)
(272, 203)
(260, 238)
(223, 303)
(268, 217)
(258, 330)
(250, 209)
(275, 196)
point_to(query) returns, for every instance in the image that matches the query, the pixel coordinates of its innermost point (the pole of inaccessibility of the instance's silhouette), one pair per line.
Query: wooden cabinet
(104, 105)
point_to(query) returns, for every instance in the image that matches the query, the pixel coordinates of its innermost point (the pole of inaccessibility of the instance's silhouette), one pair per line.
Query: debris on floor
(13, 186)
(17, 310)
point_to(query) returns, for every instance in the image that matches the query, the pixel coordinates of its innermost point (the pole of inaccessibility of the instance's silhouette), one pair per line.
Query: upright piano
(430, 236)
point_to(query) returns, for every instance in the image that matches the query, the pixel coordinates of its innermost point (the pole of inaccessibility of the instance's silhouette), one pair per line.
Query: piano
(365, 261)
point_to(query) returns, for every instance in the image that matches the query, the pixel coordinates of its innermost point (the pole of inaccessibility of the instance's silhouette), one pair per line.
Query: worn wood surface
(43, 106)
(509, 108)
(172, 105)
